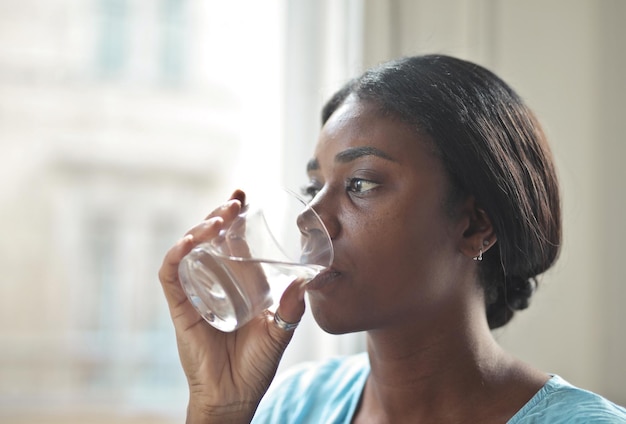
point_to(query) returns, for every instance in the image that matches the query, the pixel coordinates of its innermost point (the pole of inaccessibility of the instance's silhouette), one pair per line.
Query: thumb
(290, 311)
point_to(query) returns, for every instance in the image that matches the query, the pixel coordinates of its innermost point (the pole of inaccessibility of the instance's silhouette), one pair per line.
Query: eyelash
(351, 186)
(354, 185)
(310, 191)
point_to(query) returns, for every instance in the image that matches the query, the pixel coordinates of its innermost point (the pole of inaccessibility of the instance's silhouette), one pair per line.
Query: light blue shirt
(328, 393)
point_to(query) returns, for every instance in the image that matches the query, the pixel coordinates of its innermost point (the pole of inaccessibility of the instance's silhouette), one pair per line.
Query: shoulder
(315, 392)
(560, 402)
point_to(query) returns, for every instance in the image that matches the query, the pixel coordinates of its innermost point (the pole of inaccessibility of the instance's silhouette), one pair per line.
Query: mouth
(323, 279)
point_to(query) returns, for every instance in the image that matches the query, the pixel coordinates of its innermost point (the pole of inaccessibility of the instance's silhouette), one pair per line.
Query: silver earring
(480, 255)
(480, 251)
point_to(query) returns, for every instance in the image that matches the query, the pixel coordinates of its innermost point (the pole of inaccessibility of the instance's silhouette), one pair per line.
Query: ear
(478, 235)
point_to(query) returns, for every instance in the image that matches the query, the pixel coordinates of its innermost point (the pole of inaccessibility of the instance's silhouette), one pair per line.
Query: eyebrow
(354, 153)
(350, 155)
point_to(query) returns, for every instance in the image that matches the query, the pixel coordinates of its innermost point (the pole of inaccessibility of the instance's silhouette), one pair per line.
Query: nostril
(311, 233)
(308, 220)
(316, 247)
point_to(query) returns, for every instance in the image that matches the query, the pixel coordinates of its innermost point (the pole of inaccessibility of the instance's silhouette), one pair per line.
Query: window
(112, 36)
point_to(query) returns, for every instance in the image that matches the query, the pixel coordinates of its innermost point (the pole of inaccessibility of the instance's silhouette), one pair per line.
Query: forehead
(359, 128)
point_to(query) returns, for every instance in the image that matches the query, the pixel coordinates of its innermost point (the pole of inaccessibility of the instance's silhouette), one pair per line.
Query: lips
(324, 279)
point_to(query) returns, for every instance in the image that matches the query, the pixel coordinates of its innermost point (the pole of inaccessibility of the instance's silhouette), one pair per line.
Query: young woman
(439, 191)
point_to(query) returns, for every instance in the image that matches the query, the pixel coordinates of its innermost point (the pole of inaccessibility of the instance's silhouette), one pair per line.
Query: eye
(360, 186)
(310, 190)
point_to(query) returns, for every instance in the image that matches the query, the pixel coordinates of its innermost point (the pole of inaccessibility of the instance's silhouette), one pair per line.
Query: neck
(433, 372)
(431, 351)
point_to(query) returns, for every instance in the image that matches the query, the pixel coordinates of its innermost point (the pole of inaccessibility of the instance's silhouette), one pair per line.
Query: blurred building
(114, 138)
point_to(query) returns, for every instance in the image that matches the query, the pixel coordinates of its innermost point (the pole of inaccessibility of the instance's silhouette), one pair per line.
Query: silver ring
(284, 325)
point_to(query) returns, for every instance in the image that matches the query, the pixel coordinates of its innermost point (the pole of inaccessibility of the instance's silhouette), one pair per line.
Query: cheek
(392, 275)
(387, 246)
(401, 249)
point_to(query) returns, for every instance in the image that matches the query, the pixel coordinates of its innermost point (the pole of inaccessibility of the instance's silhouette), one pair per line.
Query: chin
(334, 324)
(335, 330)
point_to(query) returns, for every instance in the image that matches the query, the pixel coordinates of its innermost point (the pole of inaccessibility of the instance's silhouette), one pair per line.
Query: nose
(316, 241)
(322, 205)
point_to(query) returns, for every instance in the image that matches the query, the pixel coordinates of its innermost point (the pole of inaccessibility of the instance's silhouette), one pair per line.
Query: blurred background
(123, 122)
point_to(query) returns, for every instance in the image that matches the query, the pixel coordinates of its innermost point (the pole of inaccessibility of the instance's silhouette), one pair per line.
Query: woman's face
(381, 192)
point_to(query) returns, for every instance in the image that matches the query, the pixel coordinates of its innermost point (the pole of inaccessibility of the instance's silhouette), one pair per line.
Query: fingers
(238, 196)
(215, 221)
(168, 273)
(205, 230)
(228, 211)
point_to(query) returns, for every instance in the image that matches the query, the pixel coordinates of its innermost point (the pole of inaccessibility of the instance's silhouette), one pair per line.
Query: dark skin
(227, 373)
(403, 272)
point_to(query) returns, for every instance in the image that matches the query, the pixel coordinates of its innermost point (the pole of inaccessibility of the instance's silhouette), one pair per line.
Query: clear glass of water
(275, 239)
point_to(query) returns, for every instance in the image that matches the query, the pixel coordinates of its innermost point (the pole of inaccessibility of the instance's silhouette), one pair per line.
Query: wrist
(236, 413)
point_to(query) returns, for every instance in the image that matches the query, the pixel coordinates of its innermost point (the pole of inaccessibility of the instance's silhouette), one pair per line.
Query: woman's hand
(228, 373)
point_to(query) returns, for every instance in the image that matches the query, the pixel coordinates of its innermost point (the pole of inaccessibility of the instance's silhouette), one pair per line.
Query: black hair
(493, 148)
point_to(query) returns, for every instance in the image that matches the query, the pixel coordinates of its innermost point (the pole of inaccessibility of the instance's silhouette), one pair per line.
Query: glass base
(215, 294)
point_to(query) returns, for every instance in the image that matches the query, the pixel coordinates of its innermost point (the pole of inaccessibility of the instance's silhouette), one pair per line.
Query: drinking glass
(275, 239)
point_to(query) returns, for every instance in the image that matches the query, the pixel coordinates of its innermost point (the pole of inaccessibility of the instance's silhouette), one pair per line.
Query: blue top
(328, 392)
